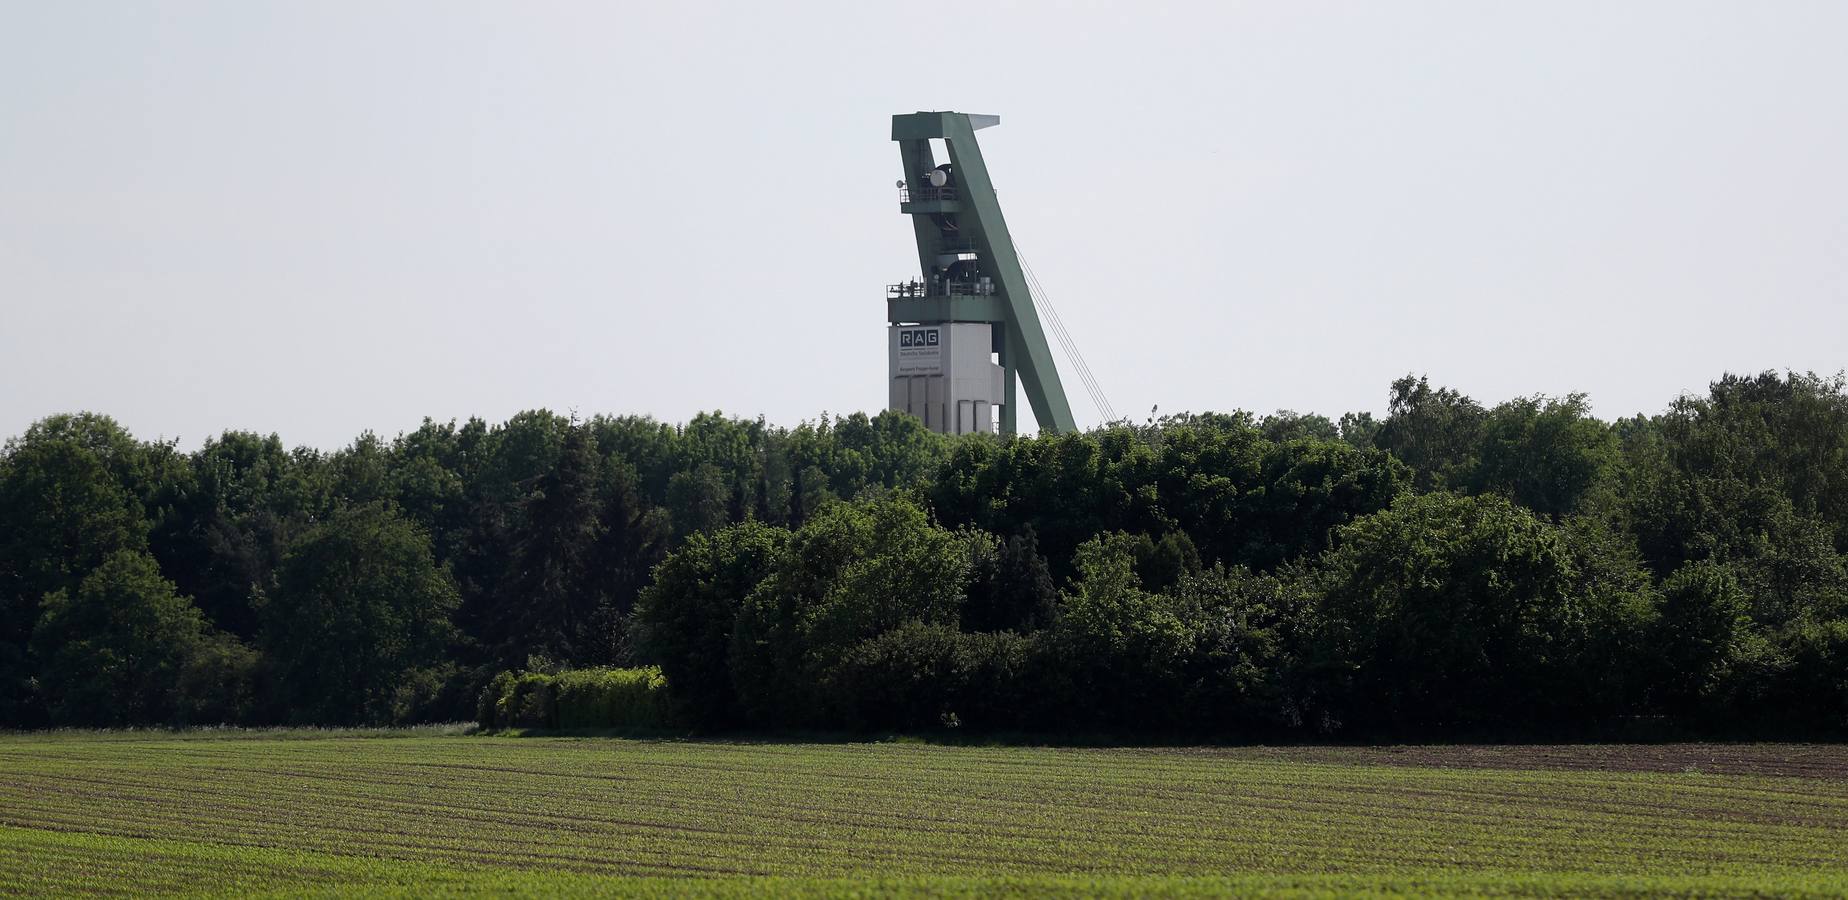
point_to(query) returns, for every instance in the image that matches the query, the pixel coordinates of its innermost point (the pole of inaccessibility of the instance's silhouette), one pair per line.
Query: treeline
(1449, 568)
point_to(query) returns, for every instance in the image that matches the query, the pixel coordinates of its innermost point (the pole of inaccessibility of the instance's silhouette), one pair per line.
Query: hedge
(576, 699)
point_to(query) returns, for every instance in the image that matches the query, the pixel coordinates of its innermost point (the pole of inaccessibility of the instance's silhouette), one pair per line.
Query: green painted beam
(917, 157)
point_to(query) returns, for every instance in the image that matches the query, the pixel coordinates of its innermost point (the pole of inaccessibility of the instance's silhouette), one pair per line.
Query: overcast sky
(320, 218)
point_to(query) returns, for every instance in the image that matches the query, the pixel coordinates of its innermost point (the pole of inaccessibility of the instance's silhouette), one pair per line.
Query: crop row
(640, 808)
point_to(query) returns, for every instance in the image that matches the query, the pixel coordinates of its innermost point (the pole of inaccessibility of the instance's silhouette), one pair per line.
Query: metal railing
(918, 194)
(912, 290)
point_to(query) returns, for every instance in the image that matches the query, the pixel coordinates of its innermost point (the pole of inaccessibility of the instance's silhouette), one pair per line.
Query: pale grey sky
(319, 218)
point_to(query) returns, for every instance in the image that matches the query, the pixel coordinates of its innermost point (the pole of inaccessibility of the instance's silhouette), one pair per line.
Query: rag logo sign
(918, 337)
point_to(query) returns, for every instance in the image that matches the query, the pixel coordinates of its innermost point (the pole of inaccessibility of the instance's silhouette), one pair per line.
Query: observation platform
(956, 301)
(929, 200)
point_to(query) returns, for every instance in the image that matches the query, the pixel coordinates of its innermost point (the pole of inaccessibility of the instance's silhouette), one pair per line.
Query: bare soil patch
(1825, 761)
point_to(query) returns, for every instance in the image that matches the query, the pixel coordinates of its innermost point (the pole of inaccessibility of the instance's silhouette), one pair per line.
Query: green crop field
(424, 811)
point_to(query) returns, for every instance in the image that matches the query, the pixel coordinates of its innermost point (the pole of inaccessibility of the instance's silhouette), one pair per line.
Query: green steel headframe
(958, 221)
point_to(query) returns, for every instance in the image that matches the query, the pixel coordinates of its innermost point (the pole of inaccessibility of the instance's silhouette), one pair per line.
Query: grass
(432, 811)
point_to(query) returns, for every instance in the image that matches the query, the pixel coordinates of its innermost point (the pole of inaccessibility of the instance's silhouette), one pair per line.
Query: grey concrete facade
(945, 374)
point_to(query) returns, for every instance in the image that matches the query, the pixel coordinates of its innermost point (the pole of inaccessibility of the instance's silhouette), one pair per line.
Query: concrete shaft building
(964, 337)
(945, 374)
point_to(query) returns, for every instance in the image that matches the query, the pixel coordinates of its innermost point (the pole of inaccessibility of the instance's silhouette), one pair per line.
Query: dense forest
(1449, 569)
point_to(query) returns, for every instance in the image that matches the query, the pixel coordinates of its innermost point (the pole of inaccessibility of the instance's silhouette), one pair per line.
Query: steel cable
(1088, 379)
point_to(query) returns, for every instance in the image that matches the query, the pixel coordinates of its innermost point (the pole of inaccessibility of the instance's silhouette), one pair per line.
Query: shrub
(1447, 610)
(488, 706)
(431, 694)
(1815, 690)
(219, 683)
(578, 698)
(1124, 649)
(610, 698)
(1250, 633)
(532, 704)
(905, 678)
(685, 618)
(924, 677)
(848, 574)
(1704, 634)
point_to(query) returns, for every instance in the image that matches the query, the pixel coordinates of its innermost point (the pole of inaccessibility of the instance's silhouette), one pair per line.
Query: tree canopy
(1451, 568)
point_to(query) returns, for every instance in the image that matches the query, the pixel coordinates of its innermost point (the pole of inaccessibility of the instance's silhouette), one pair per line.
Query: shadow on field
(1636, 731)
(1821, 760)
